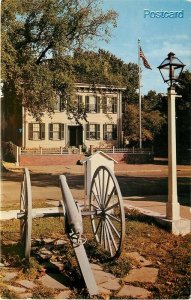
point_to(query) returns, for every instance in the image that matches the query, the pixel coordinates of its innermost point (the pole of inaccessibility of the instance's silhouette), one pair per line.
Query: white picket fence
(132, 150)
(70, 150)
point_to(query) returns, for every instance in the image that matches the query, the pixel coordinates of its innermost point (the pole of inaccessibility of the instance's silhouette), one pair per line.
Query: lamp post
(171, 69)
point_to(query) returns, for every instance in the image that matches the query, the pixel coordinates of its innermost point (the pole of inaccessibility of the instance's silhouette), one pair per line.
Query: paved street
(143, 186)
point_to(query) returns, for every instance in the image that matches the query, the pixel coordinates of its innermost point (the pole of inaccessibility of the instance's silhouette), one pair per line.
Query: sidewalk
(125, 169)
(154, 206)
(143, 186)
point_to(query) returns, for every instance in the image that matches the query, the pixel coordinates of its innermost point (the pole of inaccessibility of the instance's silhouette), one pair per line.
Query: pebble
(96, 267)
(16, 289)
(25, 296)
(26, 283)
(50, 282)
(112, 285)
(60, 242)
(142, 275)
(9, 276)
(48, 240)
(133, 292)
(64, 295)
(140, 259)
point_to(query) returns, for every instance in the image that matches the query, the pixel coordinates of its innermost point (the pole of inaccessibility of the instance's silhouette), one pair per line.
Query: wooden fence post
(17, 156)
(80, 149)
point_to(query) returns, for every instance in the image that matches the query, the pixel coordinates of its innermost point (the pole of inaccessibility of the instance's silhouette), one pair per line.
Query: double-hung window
(61, 103)
(92, 104)
(110, 105)
(109, 132)
(36, 131)
(92, 132)
(56, 131)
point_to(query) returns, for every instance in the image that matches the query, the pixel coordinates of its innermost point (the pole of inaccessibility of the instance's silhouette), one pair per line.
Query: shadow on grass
(134, 215)
(45, 179)
(13, 254)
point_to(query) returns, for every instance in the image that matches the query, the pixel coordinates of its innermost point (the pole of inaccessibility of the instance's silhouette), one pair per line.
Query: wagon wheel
(26, 208)
(106, 201)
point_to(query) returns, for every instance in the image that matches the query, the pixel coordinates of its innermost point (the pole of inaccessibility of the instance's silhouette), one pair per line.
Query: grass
(37, 203)
(169, 253)
(7, 294)
(41, 292)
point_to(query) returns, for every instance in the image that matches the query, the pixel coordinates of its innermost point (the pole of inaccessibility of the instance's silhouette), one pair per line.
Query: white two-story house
(102, 127)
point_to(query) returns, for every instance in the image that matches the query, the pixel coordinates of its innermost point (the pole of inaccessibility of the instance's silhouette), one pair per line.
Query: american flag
(145, 62)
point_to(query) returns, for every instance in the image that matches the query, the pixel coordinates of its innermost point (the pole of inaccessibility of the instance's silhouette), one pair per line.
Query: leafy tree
(104, 67)
(152, 119)
(183, 115)
(34, 31)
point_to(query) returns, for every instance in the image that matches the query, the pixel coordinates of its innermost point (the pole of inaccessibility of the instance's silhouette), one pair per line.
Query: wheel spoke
(112, 206)
(103, 187)
(101, 232)
(97, 192)
(105, 238)
(108, 239)
(111, 194)
(114, 228)
(96, 207)
(114, 218)
(106, 190)
(100, 189)
(98, 225)
(98, 202)
(112, 237)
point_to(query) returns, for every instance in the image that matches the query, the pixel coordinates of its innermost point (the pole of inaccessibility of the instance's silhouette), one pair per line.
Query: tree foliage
(34, 31)
(183, 112)
(151, 116)
(103, 67)
(183, 120)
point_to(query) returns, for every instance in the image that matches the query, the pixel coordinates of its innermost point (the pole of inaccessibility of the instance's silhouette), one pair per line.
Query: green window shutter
(98, 104)
(42, 131)
(62, 102)
(97, 131)
(104, 131)
(104, 105)
(62, 131)
(50, 131)
(114, 105)
(87, 131)
(87, 103)
(114, 132)
(30, 131)
(67, 103)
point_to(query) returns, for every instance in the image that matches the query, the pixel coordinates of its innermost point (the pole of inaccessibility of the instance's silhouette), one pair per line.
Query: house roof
(98, 86)
(101, 153)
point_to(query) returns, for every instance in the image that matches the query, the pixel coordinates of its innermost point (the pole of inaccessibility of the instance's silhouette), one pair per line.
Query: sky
(158, 36)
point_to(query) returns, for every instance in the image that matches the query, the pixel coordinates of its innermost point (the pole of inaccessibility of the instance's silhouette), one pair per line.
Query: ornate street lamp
(171, 69)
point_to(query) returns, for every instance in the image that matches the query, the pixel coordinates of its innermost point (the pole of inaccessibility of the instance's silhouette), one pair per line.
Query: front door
(75, 135)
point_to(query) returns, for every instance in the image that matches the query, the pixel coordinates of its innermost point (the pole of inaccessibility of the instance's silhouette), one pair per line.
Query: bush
(7, 151)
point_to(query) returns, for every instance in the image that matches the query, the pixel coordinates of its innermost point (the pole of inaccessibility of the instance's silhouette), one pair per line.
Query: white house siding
(62, 117)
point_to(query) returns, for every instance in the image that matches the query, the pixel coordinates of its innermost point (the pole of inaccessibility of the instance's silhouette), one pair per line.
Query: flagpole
(140, 125)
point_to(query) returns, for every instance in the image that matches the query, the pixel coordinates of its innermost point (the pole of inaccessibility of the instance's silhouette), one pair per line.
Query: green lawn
(169, 253)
